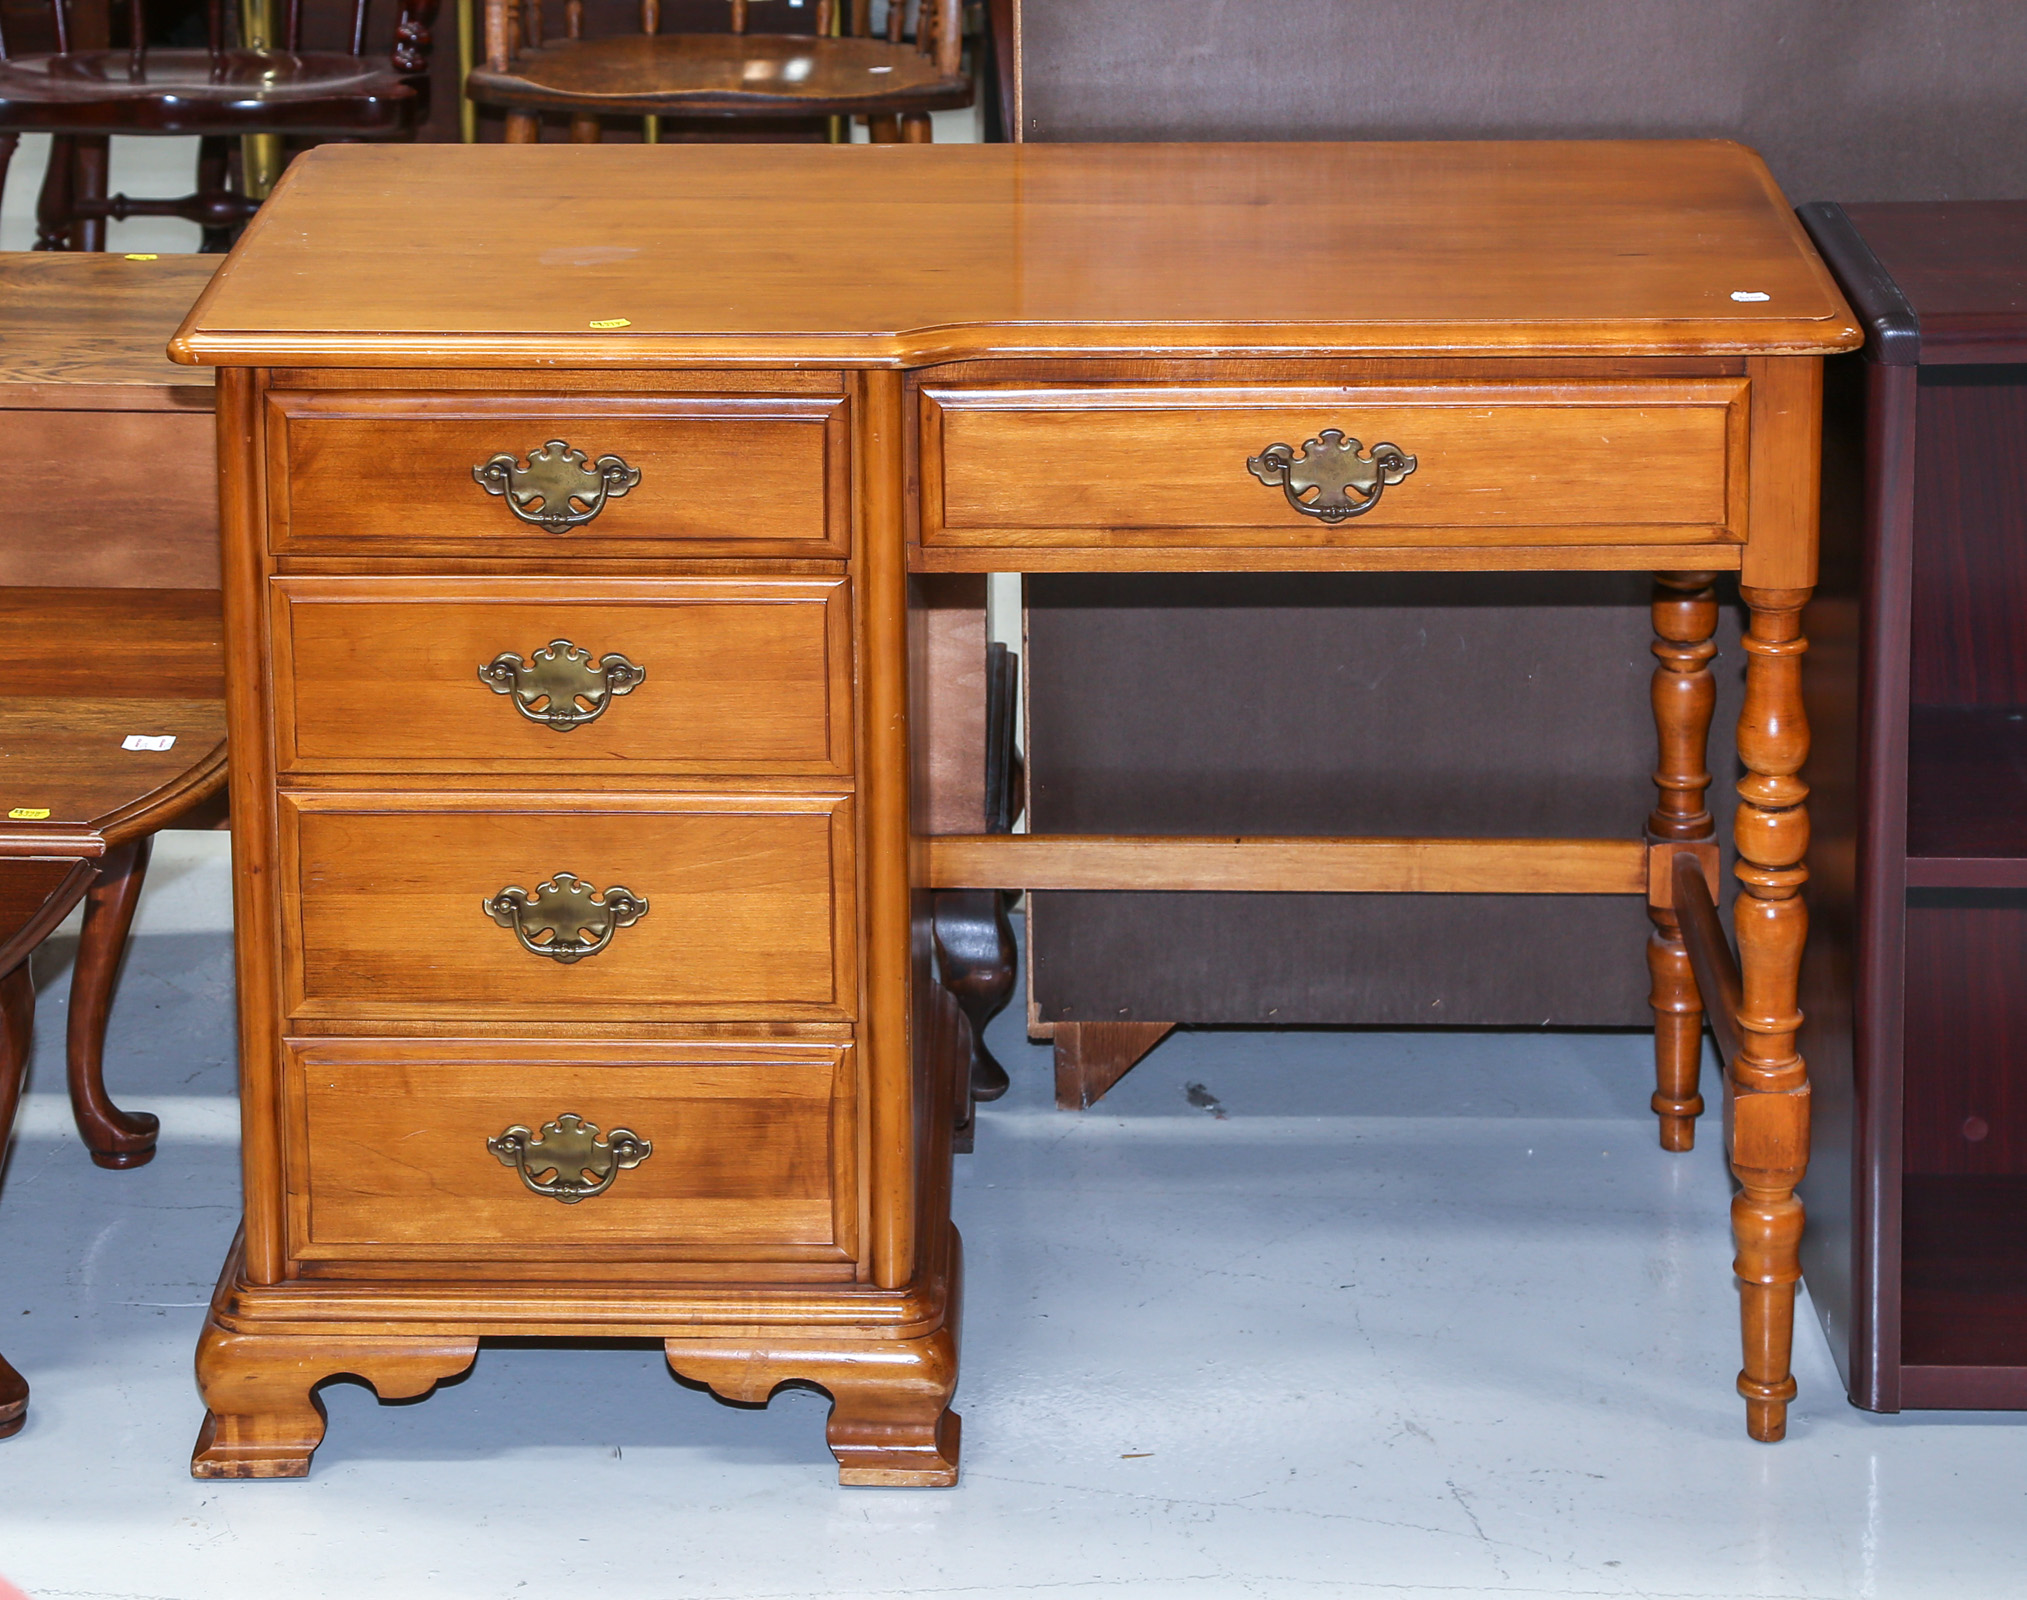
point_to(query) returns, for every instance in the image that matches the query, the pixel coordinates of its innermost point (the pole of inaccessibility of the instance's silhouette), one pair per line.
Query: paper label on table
(1750, 294)
(148, 741)
(29, 814)
(612, 322)
(143, 256)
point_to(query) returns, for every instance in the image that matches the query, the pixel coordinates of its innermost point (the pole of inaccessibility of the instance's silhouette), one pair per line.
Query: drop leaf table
(585, 508)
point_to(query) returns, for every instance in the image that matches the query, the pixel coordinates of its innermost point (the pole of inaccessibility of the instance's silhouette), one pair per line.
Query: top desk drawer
(372, 472)
(1591, 462)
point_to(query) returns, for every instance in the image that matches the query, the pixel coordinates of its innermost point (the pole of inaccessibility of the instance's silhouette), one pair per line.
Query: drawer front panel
(746, 675)
(396, 906)
(738, 1151)
(1593, 462)
(358, 473)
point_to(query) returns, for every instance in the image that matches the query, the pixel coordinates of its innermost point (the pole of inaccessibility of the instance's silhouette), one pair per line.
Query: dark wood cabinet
(1917, 984)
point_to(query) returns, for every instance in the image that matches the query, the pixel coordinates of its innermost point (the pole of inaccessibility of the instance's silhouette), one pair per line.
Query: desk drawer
(709, 675)
(1599, 462)
(397, 905)
(402, 1149)
(360, 473)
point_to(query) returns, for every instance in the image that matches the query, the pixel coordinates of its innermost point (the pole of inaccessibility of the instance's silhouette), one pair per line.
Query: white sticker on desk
(148, 741)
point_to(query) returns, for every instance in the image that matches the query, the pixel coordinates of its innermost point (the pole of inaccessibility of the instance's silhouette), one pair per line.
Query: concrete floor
(1417, 1316)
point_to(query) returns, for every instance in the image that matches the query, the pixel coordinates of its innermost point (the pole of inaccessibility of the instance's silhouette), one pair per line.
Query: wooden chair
(731, 78)
(220, 93)
(109, 603)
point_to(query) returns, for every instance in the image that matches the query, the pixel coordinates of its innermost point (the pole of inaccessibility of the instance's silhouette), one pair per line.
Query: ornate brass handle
(578, 920)
(559, 488)
(567, 1160)
(549, 686)
(1331, 464)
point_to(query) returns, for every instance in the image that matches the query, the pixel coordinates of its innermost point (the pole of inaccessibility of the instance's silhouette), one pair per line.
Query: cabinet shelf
(1967, 797)
(1964, 1271)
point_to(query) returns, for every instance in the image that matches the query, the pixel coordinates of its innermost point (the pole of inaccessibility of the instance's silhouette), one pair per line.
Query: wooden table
(577, 553)
(109, 603)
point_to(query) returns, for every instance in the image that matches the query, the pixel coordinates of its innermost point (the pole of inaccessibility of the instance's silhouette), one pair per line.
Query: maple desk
(585, 978)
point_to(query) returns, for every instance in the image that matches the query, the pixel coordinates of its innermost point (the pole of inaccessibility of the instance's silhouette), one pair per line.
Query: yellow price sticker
(612, 322)
(29, 814)
(144, 258)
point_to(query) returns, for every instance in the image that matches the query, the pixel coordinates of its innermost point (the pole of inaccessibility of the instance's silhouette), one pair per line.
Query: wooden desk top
(902, 255)
(87, 330)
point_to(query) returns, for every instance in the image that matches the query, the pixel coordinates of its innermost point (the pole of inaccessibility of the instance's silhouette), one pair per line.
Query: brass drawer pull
(567, 1160)
(549, 685)
(1331, 464)
(579, 920)
(555, 483)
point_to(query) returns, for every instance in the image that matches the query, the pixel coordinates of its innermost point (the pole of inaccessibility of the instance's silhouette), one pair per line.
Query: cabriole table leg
(1769, 1083)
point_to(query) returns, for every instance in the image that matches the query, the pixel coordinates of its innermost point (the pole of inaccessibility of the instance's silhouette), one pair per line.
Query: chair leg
(523, 127)
(94, 159)
(17, 1016)
(53, 204)
(214, 179)
(883, 130)
(915, 128)
(115, 1138)
(7, 143)
(585, 130)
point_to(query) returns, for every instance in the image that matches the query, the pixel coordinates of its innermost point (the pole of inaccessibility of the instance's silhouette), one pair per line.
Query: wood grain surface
(1299, 866)
(736, 475)
(1598, 247)
(751, 1147)
(749, 905)
(1496, 463)
(744, 675)
(133, 494)
(87, 330)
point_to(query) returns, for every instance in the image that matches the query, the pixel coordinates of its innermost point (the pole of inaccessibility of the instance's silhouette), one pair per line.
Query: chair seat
(190, 91)
(721, 75)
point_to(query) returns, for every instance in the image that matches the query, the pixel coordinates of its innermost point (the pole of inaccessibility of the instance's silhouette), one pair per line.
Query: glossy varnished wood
(86, 387)
(1496, 463)
(1302, 866)
(750, 905)
(753, 1151)
(744, 675)
(1444, 249)
(1465, 274)
(392, 474)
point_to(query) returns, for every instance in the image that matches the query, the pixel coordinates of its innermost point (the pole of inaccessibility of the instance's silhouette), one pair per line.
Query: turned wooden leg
(1769, 1083)
(891, 1425)
(263, 1418)
(214, 183)
(883, 130)
(94, 163)
(523, 127)
(114, 1137)
(1092, 1056)
(17, 1018)
(585, 130)
(975, 957)
(1684, 696)
(916, 128)
(53, 203)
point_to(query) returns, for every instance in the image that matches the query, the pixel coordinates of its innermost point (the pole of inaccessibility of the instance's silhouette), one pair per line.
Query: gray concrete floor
(1419, 1315)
